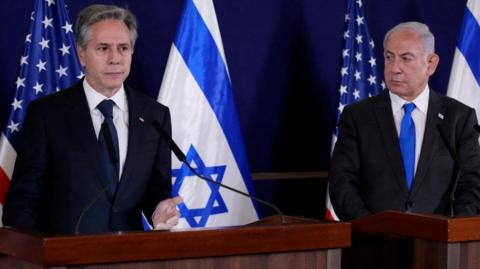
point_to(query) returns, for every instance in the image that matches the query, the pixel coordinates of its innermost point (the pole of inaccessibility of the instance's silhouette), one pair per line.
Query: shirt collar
(421, 102)
(94, 98)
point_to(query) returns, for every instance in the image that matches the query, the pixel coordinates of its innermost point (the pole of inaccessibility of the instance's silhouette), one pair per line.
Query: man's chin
(114, 83)
(396, 88)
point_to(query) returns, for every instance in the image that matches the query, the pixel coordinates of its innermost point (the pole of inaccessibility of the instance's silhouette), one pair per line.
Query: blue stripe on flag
(146, 225)
(468, 43)
(207, 67)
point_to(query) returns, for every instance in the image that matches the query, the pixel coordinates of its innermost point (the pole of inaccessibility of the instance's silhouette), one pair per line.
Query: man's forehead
(110, 34)
(403, 42)
(110, 28)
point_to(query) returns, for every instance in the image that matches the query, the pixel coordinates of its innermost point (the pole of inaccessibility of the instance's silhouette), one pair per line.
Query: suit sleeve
(23, 199)
(345, 171)
(160, 183)
(467, 194)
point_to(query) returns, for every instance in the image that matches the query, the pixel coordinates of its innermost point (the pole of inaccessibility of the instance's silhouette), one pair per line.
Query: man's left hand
(166, 214)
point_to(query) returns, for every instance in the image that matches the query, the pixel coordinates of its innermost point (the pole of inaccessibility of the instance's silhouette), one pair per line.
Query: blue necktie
(407, 143)
(108, 142)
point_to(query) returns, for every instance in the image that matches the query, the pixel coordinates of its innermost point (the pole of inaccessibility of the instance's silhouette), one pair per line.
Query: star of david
(198, 217)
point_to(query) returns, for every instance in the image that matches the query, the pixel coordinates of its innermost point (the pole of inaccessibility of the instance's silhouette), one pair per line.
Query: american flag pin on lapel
(141, 119)
(440, 115)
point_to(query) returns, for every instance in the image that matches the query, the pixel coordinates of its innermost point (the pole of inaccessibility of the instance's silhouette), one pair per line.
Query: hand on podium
(166, 214)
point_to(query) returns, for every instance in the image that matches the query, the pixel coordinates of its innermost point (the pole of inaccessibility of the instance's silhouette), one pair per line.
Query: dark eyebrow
(401, 55)
(407, 54)
(109, 45)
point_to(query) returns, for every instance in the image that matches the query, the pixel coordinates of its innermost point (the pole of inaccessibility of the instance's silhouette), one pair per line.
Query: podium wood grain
(298, 244)
(437, 241)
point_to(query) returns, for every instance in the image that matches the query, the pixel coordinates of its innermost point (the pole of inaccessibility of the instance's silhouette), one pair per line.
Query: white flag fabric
(197, 89)
(465, 73)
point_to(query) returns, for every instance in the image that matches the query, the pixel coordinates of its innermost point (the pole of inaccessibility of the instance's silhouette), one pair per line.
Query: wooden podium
(434, 241)
(300, 243)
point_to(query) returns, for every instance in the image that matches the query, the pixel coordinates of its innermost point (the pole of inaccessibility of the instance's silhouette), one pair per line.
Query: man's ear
(81, 55)
(432, 62)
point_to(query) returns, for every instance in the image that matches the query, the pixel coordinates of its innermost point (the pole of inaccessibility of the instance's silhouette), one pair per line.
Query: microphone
(171, 144)
(181, 157)
(115, 160)
(92, 202)
(454, 156)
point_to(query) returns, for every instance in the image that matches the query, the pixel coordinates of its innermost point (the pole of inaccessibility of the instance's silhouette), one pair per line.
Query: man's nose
(395, 66)
(114, 56)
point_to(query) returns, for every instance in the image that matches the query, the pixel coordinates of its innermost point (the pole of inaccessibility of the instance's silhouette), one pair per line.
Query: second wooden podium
(433, 241)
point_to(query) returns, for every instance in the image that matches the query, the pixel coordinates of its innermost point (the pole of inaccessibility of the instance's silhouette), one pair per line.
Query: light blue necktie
(407, 143)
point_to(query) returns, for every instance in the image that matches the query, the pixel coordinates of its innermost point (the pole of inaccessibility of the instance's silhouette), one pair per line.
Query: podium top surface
(264, 237)
(432, 227)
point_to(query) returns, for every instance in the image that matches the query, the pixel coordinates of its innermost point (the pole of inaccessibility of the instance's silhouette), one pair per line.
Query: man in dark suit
(90, 160)
(376, 166)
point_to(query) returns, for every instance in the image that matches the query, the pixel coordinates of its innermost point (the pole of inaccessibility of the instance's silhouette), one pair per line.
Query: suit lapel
(386, 123)
(80, 121)
(138, 124)
(430, 140)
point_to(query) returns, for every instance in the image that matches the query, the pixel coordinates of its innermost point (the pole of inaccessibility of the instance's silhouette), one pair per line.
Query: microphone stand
(114, 158)
(282, 217)
(457, 176)
(181, 157)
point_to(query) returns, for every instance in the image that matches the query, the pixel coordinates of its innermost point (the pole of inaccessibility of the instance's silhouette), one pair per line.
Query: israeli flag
(196, 87)
(465, 75)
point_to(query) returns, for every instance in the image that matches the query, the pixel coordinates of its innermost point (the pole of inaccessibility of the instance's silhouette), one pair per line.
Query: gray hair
(96, 13)
(426, 37)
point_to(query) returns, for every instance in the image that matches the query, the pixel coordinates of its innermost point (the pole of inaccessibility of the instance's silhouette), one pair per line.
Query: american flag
(359, 76)
(49, 63)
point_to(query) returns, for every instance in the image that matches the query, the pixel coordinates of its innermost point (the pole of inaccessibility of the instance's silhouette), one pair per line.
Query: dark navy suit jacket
(367, 173)
(57, 172)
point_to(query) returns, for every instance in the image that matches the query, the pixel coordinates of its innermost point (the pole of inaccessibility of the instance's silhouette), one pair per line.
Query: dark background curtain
(284, 59)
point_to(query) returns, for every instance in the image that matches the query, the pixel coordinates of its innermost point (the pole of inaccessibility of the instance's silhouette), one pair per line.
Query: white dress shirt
(120, 117)
(419, 116)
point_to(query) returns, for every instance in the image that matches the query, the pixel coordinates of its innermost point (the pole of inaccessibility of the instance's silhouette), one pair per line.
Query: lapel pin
(440, 115)
(141, 119)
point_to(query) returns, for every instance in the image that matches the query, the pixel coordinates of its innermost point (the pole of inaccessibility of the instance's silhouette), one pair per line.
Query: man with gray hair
(409, 148)
(90, 160)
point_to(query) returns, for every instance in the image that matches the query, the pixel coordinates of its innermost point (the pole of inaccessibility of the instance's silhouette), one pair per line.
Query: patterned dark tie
(108, 144)
(407, 143)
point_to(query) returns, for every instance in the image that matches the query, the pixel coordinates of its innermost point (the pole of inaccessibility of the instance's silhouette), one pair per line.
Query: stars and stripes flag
(464, 83)
(49, 63)
(359, 76)
(196, 87)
